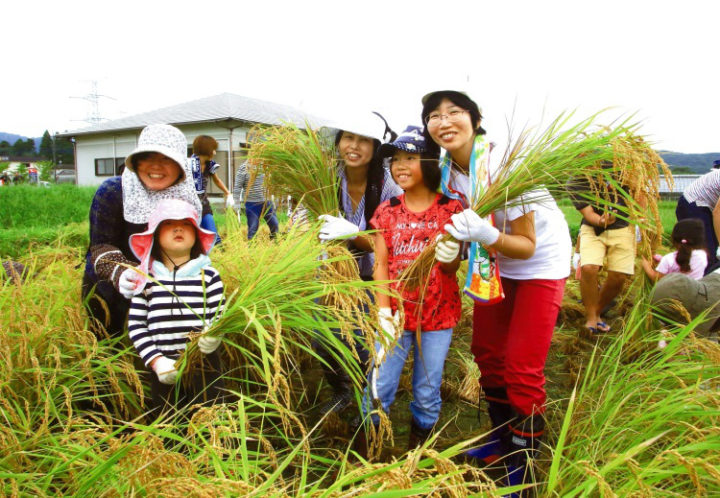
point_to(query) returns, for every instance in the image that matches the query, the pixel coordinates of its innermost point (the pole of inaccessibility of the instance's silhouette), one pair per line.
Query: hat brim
(166, 151)
(388, 150)
(141, 243)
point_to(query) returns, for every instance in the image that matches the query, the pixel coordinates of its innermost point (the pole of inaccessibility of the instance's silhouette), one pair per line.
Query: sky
(522, 61)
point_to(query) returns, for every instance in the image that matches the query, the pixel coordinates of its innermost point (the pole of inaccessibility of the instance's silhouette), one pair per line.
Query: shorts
(617, 245)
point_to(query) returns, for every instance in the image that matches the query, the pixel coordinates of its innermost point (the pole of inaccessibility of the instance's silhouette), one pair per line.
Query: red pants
(511, 340)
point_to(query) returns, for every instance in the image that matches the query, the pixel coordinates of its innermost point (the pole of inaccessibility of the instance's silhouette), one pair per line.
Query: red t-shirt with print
(406, 234)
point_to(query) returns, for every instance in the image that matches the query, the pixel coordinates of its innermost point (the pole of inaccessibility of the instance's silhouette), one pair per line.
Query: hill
(699, 163)
(11, 138)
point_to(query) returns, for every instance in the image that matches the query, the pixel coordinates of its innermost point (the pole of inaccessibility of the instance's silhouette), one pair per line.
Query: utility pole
(93, 116)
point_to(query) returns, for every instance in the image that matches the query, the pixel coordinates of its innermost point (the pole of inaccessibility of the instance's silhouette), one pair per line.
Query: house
(101, 149)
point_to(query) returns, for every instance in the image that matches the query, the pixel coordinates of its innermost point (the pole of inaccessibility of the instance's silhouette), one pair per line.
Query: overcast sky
(658, 59)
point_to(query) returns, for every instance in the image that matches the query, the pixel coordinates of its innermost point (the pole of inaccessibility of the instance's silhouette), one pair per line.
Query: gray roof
(223, 107)
(680, 182)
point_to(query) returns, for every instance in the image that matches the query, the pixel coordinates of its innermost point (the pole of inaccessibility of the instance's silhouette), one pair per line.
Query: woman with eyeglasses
(364, 184)
(519, 260)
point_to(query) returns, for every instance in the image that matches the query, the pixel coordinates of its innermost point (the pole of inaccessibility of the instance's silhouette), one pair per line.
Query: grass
(624, 418)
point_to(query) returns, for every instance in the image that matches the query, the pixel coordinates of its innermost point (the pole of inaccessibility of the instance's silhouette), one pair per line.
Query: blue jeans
(253, 211)
(208, 223)
(427, 375)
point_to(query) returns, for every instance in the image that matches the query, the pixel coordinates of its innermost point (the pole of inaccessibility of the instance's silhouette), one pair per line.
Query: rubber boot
(363, 434)
(342, 393)
(417, 435)
(500, 413)
(523, 442)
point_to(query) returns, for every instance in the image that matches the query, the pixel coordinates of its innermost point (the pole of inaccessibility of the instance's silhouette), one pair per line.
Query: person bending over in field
(184, 294)
(157, 169)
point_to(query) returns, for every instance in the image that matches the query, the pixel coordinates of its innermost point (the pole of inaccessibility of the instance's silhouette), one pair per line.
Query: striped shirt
(357, 216)
(163, 315)
(705, 191)
(241, 193)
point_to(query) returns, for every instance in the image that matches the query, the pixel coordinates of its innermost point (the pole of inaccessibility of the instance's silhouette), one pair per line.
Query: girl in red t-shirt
(405, 225)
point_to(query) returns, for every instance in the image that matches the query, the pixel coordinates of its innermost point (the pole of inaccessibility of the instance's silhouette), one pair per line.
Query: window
(108, 166)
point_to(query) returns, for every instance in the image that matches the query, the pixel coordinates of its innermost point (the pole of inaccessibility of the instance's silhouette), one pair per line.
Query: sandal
(602, 328)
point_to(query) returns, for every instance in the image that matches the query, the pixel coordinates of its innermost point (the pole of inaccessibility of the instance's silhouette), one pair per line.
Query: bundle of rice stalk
(276, 299)
(637, 165)
(534, 166)
(297, 163)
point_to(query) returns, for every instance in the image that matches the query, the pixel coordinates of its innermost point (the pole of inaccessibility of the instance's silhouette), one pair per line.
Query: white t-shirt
(553, 247)
(698, 262)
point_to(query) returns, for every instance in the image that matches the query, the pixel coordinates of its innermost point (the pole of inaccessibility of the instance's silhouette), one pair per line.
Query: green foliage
(46, 146)
(682, 170)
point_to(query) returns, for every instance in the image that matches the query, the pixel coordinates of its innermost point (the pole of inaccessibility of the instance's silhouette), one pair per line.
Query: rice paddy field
(624, 417)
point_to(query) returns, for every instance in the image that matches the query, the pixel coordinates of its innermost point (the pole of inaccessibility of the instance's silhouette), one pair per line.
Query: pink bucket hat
(168, 209)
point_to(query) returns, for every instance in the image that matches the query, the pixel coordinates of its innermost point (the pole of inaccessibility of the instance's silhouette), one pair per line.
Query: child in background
(406, 225)
(203, 167)
(690, 256)
(184, 295)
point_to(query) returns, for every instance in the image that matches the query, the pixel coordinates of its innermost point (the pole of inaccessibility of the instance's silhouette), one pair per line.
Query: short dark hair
(459, 99)
(204, 145)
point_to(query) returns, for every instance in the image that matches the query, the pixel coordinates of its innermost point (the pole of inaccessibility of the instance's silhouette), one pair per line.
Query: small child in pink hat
(182, 294)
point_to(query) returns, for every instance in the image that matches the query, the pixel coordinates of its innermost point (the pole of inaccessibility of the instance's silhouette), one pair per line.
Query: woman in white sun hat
(364, 184)
(157, 169)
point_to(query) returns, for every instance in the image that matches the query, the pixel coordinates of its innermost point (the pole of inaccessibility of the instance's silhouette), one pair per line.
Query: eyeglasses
(436, 118)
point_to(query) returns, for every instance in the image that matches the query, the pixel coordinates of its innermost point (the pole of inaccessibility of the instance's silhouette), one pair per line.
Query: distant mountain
(11, 138)
(699, 163)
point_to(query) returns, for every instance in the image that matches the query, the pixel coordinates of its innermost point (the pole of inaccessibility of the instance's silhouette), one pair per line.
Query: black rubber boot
(363, 437)
(522, 443)
(342, 395)
(417, 435)
(500, 413)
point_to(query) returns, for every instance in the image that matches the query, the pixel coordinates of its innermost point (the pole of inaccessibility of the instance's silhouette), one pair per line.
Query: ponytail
(687, 234)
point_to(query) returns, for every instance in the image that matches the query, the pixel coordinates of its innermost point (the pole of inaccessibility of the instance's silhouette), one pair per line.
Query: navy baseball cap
(410, 140)
(716, 164)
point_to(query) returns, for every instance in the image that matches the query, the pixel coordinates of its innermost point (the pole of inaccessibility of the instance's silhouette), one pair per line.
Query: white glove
(576, 260)
(229, 202)
(334, 228)
(717, 253)
(638, 234)
(388, 322)
(469, 227)
(208, 344)
(128, 282)
(446, 251)
(165, 369)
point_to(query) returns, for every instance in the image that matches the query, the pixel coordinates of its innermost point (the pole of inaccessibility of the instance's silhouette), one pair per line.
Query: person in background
(249, 188)
(689, 256)
(184, 295)
(603, 235)
(156, 169)
(203, 167)
(519, 260)
(701, 199)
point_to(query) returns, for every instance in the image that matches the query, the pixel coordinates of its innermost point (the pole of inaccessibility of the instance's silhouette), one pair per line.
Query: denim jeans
(253, 211)
(208, 223)
(428, 365)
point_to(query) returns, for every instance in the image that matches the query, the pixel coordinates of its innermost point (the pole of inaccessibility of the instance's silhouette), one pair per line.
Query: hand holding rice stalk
(533, 167)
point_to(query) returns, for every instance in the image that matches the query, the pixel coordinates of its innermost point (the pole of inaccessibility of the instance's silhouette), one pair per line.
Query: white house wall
(101, 145)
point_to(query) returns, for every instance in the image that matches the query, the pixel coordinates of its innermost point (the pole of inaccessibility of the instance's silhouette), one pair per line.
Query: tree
(5, 148)
(46, 146)
(682, 170)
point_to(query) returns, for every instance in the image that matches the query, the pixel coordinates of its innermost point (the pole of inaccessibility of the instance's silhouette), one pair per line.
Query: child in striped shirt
(182, 294)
